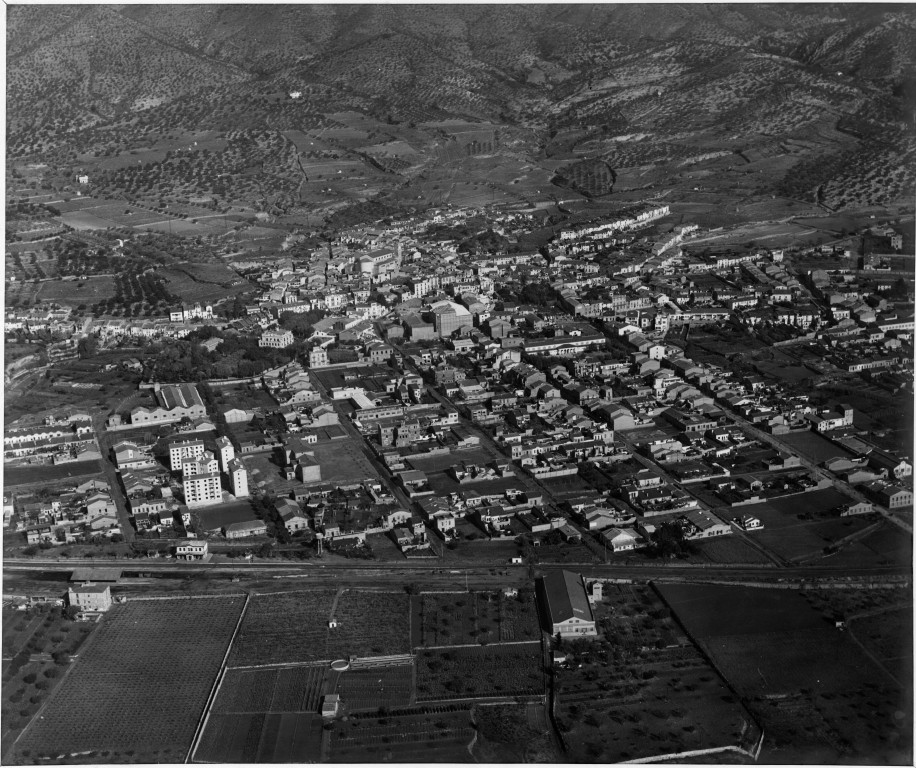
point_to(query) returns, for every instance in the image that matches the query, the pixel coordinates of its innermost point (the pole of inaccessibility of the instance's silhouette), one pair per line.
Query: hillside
(808, 102)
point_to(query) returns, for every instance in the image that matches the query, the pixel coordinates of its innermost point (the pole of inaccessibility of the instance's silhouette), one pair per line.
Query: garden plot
(272, 690)
(364, 689)
(261, 738)
(283, 628)
(479, 673)
(438, 734)
(478, 617)
(140, 687)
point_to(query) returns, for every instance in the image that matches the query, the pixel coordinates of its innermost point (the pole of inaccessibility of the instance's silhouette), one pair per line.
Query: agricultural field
(370, 624)
(284, 689)
(484, 672)
(512, 733)
(815, 692)
(479, 617)
(283, 628)
(363, 689)
(641, 688)
(425, 735)
(37, 646)
(140, 687)
(635, 617)
(204, 283)
(293, 627)
(287, 737)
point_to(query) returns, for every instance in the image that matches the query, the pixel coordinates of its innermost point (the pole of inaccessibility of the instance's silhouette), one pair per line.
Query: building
(565, 606)
(185, 449)
(191, 550)
(238, 478)
(176, 402)
(201, 490)
(318, 358)
(225, 452)
(245, 528)
(90, 597)
(276, 339)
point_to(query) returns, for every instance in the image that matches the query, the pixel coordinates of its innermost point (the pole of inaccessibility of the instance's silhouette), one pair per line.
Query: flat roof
(96, 574)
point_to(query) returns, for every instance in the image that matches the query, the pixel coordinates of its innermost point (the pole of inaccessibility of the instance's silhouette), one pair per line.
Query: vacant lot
(343, 461)
(478, 617)
(803, 524)
(223, 515)
(730, 549)
(462, 673)
(813, 446)
(139, 688)
(46, 473)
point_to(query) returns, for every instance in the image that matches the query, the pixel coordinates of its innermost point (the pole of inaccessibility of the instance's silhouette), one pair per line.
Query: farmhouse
(565, 606)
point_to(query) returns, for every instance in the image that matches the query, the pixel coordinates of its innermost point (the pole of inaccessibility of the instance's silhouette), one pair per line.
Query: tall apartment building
(225, 452)
(205, 464)
(202, 489)
(238, 478)
(182, 450)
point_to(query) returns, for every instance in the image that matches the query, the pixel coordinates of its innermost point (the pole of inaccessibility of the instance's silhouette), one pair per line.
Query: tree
(87, 347)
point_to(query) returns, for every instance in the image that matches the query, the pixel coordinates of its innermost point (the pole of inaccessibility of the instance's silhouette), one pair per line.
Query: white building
(276, 339)
(238, 479)
(203, 489)
(226, 453)
(185, 449)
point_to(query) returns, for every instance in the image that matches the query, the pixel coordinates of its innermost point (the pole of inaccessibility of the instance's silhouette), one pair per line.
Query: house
(90, 597)
(565, 605)
(292, 515)
(621, 539)
(192, 550)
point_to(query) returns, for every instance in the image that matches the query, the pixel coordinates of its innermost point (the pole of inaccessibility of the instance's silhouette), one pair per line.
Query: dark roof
(566, 597)
(96, 574)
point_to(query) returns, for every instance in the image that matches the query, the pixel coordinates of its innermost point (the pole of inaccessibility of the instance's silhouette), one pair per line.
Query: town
(467, 383)
(439, 397)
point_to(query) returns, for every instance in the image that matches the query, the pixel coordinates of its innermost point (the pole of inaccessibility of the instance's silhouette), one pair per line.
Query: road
(105, 441)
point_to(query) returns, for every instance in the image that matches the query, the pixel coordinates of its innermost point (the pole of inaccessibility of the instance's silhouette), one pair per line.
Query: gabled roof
(566, 597)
